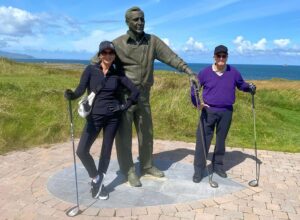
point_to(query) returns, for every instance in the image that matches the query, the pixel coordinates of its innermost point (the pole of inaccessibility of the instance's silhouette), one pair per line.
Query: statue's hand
(189, 72)
(194, 81)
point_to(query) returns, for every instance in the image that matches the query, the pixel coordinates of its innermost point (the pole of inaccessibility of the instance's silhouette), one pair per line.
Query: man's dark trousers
(210, 119)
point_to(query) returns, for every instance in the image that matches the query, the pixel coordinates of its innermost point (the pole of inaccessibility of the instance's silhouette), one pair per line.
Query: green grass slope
(34, 112)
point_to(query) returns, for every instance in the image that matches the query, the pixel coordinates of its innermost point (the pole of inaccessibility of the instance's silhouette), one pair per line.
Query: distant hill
(15, 55)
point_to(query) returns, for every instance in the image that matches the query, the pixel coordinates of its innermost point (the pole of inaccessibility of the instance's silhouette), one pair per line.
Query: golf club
(212, 183)
(255, 182)
(74, 210)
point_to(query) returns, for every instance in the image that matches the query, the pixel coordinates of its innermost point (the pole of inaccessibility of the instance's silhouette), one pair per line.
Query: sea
(249, 72)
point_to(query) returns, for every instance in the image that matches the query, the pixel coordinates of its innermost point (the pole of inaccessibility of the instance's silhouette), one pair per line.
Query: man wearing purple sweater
(219, 82)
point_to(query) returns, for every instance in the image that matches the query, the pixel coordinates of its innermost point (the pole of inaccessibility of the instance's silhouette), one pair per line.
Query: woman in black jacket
(105, 112)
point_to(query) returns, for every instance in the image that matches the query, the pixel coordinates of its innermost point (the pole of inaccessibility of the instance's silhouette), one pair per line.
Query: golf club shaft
(73, 145)
(202, 135)
(254, 132)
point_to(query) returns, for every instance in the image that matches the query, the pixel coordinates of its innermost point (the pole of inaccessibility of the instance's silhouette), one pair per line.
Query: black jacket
(113, 82)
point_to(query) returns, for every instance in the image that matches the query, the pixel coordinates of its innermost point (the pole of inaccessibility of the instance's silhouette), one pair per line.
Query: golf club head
(253, 183)
(73, 211)
(213, 184)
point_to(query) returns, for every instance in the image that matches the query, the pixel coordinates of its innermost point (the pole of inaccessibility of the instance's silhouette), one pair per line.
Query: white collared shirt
(218, 72)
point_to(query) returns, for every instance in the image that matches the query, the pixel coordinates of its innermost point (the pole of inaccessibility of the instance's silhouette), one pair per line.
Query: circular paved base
(175, 187)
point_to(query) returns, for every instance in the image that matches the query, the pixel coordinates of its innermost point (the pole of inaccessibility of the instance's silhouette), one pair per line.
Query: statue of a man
(136, 52)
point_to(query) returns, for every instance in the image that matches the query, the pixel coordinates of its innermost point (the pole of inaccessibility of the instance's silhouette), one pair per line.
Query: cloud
(24, 43)
(246, 45)
(91, 42)
(15, 21)
(193, 45)
(166, 41)
(281, 42)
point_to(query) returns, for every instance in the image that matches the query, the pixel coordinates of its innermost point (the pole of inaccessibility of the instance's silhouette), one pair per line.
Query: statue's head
(135, 20)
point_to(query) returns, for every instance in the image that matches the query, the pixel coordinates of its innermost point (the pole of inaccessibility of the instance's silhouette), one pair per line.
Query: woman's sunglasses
(221, 56)
(108, 53)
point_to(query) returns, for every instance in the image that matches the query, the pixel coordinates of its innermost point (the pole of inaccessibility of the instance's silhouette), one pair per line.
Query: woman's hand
(69, 94)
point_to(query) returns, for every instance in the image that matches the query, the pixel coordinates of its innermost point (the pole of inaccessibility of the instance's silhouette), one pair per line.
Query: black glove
(252, 88)
(69, 94)
(116, 108)
(120, 108)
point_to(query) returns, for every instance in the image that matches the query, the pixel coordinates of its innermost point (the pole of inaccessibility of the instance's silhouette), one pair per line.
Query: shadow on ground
(165, 160)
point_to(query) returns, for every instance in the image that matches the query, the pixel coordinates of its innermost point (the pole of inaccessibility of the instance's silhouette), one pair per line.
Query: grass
(33, 111)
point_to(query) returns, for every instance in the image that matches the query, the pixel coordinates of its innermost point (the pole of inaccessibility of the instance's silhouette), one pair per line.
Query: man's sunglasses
(108, 53)
(221, 56)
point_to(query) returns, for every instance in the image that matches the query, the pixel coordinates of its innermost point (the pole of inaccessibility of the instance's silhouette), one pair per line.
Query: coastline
(249, 72)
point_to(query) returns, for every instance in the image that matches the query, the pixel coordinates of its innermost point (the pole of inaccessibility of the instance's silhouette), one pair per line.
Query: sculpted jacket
(137, 58)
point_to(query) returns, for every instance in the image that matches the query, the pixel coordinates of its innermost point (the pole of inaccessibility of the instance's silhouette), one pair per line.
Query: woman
(105, 112)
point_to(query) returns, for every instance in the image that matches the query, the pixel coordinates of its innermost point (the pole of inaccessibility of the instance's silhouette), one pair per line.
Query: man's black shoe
(103, 193)
(220, 172)
(197, 177)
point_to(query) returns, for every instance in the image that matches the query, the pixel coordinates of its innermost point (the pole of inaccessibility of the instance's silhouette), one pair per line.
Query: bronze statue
(136, 52)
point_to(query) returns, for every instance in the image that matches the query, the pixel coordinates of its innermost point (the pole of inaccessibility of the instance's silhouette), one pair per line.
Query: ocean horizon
(248, 71)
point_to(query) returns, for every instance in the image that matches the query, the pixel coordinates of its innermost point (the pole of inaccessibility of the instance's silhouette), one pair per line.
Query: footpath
(24, 176)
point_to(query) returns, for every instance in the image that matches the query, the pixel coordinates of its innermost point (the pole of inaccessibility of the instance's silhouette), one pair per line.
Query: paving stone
(245, 209)
(52, 202)
(186, 215)
(206, 216)
(281, 215)
(233, 214)
(149, 217)
(262, 211)
(139, 211)
(123, 212)
(209, 203)
(107, 212)
(183, 207)
(293, 216)
(257, 204)
(196, 205)
(274, 207)
(168, 209)
(250, 216)
(240, 194)
(285, 207)
(90, 211)
(229, 206)
(226, 198)
(214, 210)
(166, 217)
(154, 210)
(262, 198)
(223, 218)
(63, 206)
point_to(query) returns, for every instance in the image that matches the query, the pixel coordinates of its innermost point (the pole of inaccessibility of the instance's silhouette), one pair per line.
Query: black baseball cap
(104, 45)
(221, 49)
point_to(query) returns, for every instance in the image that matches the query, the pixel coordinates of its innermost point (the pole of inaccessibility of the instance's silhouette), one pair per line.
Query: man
(219, 82)
(136, 52)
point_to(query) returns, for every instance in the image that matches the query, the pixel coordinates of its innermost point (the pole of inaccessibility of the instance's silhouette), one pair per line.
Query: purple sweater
(219, 91)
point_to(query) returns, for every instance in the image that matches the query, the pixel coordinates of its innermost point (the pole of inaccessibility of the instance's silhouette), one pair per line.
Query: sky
(256, 32)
